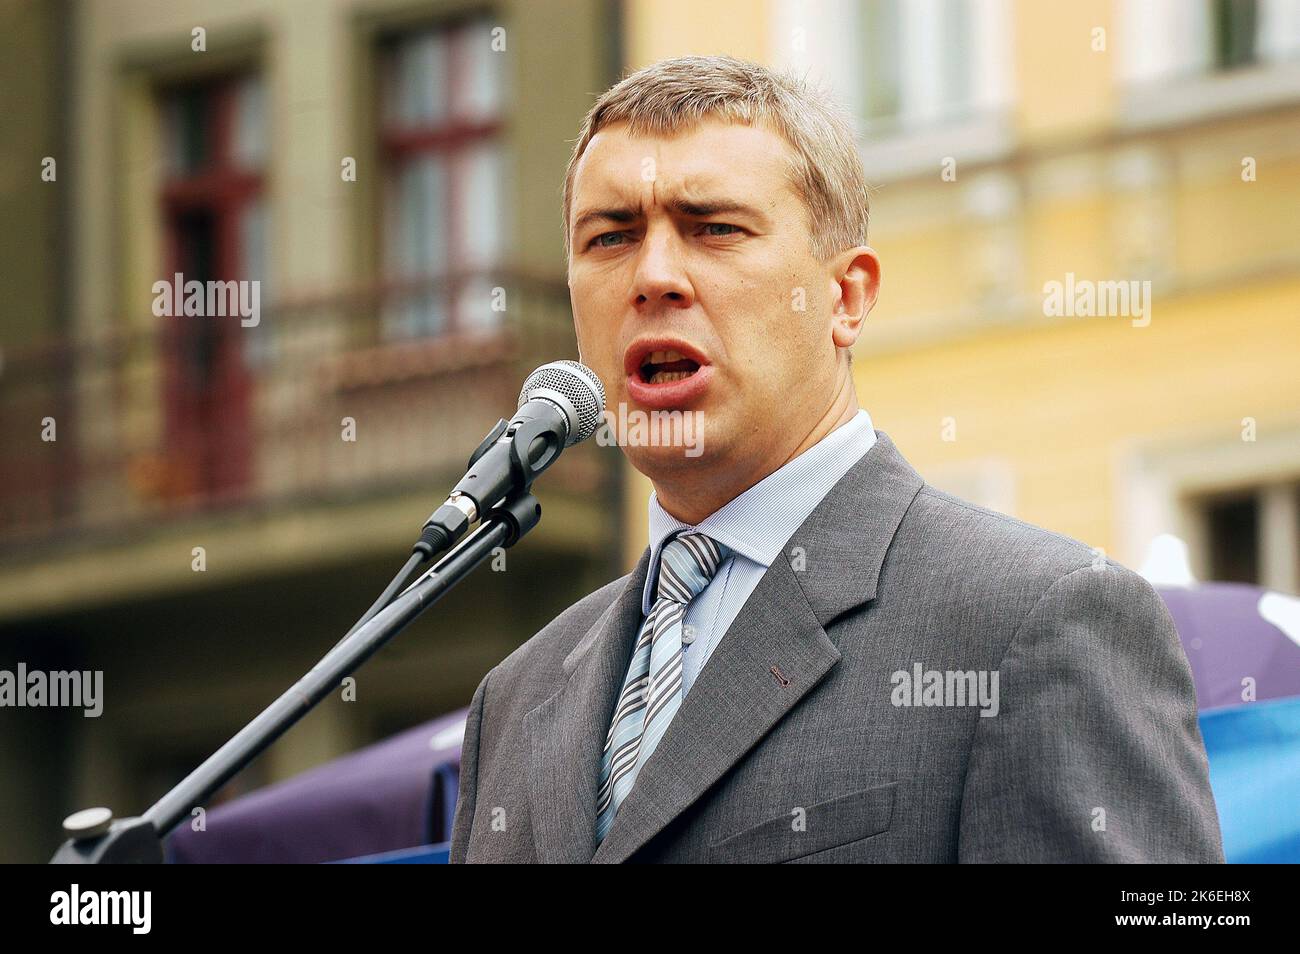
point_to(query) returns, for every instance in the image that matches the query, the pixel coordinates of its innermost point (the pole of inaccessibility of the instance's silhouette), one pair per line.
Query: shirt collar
(757, 523)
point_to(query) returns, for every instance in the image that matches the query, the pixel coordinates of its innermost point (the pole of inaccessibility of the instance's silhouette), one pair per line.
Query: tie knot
(686, 564)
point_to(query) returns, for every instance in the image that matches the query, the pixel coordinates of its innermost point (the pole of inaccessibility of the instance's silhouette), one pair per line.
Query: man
(819, 657)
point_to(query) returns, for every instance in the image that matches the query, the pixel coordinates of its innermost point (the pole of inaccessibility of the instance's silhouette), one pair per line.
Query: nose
(660, 276)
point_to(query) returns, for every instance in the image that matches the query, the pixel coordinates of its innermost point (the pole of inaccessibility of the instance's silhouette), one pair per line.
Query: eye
(598, 241)
(722, 225)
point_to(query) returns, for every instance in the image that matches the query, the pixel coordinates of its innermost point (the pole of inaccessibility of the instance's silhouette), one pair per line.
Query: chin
(665, 462)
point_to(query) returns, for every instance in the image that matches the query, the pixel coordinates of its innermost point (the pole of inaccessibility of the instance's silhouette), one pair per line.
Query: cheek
(593, 330)
(598, 350)
(776, 359)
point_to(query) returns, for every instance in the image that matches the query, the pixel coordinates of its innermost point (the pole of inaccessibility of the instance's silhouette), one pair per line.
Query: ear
(856, 274)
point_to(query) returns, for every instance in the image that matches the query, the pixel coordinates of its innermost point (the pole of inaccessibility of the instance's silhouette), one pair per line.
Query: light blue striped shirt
(756, 525)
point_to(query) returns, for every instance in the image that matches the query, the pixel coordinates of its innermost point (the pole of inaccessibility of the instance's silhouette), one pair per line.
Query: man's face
(697, 243)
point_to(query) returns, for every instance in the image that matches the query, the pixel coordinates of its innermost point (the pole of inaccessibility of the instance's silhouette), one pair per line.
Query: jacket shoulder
(990, 550)
(981, 528)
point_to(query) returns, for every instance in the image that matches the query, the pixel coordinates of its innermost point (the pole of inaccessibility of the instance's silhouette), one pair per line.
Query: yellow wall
(1064, 85)
(1060, 403)
(658, 29)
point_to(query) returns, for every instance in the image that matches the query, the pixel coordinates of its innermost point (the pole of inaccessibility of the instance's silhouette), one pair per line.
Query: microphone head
(572, 387)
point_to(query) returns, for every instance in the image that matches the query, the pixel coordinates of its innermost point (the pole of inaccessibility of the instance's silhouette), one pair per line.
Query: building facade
(200, 495)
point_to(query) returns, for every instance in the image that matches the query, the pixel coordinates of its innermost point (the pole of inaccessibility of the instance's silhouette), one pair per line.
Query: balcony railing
(323, 400)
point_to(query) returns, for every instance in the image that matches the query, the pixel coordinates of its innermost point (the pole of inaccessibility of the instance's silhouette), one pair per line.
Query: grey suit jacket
(794, 744)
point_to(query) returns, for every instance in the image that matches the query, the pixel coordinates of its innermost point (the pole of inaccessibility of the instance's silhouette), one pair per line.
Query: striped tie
(652, 690)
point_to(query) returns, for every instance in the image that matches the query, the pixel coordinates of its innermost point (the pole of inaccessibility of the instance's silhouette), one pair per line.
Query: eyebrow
(685, 207)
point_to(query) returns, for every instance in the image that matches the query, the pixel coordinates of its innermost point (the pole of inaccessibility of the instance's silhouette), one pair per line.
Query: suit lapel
(567, 731)
(777, 648)
(733, 703)
(737, 697)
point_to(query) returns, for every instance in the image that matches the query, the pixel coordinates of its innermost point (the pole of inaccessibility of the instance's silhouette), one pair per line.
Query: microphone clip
(493, 435)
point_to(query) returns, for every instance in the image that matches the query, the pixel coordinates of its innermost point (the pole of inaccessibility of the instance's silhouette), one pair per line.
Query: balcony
(324, 402)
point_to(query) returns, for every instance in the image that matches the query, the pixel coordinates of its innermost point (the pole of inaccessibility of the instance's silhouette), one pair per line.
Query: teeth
(663, 377)
(662, 357)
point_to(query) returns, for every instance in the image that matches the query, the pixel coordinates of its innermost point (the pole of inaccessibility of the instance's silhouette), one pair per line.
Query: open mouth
(664, 367)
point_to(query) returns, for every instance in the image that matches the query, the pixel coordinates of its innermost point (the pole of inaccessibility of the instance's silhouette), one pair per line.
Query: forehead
(713, 156)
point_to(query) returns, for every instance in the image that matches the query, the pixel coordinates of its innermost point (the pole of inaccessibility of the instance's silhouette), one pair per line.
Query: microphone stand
(139, 839)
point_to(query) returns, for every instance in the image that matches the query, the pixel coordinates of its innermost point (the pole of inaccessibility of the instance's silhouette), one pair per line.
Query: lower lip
(670, 393)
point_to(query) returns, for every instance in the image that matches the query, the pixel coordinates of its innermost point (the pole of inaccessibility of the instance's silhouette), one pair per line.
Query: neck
(690, 497)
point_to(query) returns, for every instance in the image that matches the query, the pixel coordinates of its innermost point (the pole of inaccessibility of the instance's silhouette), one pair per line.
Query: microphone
(560, 405)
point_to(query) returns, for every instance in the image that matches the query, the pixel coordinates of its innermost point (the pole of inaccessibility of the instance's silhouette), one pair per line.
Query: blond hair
(674, 95)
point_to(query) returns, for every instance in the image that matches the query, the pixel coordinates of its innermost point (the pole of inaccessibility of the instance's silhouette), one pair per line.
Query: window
(444, 171)
(1232, 32)
(214, 143)
(923, 62)
(883, 71)
(1232, 534)
(1168, 39)
(1253, 535)
(918, 76)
